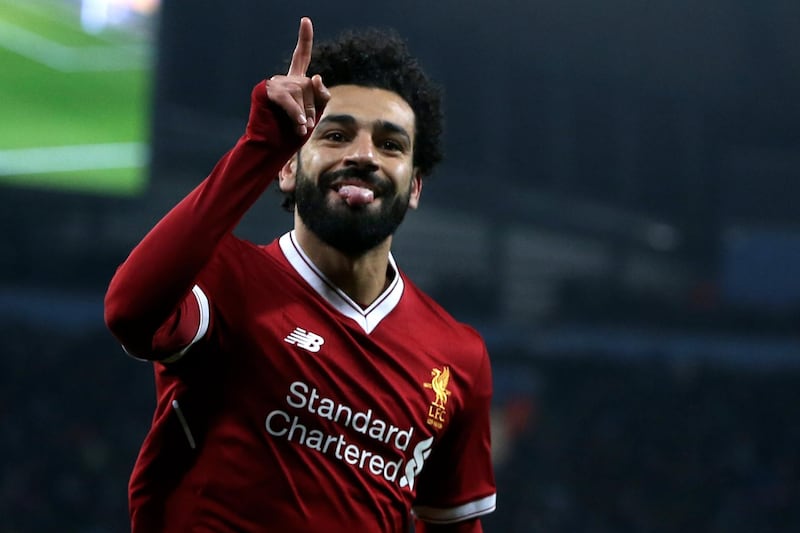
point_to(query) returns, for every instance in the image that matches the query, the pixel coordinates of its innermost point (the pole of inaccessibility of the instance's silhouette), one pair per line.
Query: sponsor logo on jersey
(437, 410)
(305, 340)
(414, 465)
(335, 429)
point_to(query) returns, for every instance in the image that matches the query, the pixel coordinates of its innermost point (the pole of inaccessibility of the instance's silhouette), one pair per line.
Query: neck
(363, 278)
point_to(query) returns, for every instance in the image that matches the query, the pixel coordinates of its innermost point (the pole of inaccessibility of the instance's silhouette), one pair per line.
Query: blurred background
(617, 215)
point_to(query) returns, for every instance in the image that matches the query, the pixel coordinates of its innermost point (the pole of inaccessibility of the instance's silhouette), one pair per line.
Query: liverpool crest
(440, 379)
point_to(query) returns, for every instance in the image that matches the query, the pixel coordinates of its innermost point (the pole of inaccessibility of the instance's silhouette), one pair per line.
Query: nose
(362, 152)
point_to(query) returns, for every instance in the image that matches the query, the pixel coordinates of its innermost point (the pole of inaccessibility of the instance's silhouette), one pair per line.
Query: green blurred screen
(75, 80)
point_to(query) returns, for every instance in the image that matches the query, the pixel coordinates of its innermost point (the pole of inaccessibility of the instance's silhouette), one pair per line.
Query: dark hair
(380, 59)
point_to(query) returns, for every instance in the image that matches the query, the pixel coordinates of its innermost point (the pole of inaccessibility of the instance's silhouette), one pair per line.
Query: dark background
(616, 214)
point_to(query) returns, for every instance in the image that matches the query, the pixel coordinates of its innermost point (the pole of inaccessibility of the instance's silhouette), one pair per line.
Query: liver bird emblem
(439, 381)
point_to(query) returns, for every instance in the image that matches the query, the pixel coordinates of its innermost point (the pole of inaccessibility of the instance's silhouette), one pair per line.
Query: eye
(335, 136)
(392, 146)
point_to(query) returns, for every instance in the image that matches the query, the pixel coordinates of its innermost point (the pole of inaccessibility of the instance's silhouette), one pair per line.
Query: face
(354, 178)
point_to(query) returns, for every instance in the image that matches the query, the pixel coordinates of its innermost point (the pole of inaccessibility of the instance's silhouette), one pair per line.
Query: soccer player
(308, 384)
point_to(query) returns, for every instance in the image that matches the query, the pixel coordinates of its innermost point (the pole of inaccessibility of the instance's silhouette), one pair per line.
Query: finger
(315, 96)
(309, 105)
(291, 100)
(321, 93)
(302, 52)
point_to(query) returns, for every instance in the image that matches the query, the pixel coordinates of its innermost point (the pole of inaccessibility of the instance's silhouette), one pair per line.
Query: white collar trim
(368, 318)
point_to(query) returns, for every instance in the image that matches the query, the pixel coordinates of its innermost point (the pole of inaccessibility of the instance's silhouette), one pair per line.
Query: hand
(302, 98)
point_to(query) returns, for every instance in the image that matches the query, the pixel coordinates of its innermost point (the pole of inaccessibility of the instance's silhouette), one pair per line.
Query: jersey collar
(368, 318)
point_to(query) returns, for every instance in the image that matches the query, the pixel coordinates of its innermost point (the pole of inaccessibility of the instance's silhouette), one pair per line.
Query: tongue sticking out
(356, 196)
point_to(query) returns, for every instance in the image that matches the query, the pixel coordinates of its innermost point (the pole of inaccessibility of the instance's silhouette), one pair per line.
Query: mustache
(378, 185)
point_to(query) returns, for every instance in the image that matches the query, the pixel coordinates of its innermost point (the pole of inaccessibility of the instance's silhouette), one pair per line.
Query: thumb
(321, 94)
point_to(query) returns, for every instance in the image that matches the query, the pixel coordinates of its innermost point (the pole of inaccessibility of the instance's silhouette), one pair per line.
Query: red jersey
(282, 405)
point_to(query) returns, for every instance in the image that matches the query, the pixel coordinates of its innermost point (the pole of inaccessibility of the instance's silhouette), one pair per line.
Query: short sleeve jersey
(295, 409)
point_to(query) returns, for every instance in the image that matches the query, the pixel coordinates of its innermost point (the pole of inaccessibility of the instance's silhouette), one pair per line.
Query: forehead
(369, 105)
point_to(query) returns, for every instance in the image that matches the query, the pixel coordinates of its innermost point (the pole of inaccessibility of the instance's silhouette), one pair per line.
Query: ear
(416, 189)
(287, 175)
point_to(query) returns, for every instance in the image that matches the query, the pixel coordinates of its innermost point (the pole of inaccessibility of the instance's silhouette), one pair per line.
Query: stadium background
(616, 214)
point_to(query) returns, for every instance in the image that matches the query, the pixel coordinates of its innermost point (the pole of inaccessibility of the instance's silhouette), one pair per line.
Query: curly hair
(381, 59)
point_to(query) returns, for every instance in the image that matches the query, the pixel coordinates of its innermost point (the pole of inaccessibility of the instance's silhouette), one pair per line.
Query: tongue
(355, 195)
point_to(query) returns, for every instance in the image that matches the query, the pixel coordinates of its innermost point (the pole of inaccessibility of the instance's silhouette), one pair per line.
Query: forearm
(162, 268)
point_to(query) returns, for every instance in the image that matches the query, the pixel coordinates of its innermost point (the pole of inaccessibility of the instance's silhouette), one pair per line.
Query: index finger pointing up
(302, 52)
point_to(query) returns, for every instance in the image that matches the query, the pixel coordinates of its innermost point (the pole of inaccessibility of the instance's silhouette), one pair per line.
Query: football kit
(282, 404)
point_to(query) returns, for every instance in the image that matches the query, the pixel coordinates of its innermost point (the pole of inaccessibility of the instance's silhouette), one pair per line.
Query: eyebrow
(391, 127)
(350, 120)
(345, 120)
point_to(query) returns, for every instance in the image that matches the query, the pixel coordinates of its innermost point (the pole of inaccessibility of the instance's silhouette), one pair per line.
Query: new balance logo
(305, 340)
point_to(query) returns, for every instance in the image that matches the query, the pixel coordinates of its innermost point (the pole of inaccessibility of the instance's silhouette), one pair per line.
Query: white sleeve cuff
(202, 326)
(436, 515)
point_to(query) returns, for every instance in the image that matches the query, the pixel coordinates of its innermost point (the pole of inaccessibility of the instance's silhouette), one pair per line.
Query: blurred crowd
(590, 444)
(73, 411)
(654, 447)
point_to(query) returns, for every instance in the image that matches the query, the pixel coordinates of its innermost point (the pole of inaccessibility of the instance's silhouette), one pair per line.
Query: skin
(331, 144)
(346, 126)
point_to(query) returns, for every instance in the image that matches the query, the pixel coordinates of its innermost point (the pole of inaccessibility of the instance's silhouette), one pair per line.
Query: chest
(300, 363)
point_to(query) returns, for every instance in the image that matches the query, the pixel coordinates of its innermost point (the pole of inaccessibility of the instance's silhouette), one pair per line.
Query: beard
(353, 230)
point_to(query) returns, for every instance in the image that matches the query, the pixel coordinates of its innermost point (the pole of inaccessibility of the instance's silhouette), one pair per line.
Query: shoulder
(431, 311)
(237, 262)
(232, 246)
(235, 253)
(454, 339)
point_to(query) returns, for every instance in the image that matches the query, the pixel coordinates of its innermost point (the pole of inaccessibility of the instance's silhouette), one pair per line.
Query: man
(308, 385)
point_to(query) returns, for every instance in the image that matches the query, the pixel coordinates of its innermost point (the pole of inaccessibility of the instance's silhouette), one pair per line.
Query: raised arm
(148, 288)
